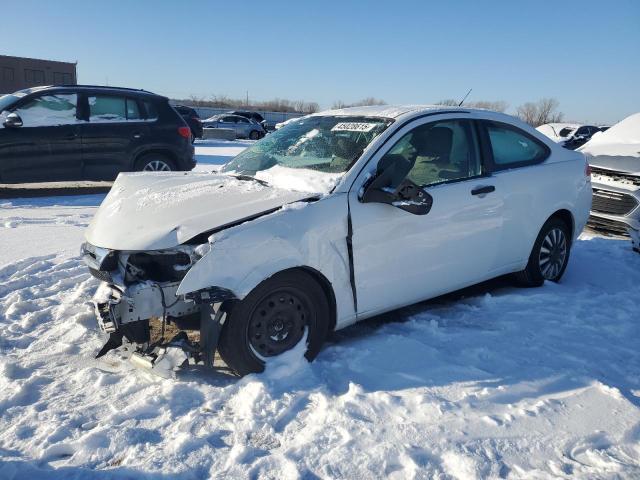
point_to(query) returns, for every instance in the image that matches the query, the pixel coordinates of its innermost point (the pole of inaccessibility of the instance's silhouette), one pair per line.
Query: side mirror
(406, 196)
(13, 120)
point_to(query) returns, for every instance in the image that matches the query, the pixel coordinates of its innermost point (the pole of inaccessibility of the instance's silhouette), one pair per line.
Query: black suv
(192, 118)
(83, 132)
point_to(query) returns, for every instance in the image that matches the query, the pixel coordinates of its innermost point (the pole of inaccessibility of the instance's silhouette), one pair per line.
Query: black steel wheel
(550, 255)
(273, 319)
(278, 321)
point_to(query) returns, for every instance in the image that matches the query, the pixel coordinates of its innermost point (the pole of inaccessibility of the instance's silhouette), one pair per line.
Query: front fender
(312, 236)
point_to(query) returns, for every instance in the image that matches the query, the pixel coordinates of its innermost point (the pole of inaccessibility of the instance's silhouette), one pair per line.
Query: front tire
(273, 319)
(550, 255)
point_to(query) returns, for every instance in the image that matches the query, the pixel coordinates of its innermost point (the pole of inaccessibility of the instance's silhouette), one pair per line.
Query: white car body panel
(153, 211)
(307, 235)
(463, 240)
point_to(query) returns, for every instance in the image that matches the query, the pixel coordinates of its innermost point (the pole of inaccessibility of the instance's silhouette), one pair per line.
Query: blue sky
(584, 53)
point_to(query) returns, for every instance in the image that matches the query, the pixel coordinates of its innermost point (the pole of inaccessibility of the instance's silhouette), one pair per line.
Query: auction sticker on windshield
(354, 127)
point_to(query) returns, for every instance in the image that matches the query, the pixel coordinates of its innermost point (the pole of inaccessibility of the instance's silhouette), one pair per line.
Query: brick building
(17, 73)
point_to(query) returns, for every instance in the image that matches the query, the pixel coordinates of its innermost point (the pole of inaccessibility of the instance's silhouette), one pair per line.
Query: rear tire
(254, 135)
(272, 319)
(155, 162)
(549, 257)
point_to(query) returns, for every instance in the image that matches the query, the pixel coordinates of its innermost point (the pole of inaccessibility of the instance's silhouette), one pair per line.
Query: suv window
(105, 108)
(152, 111)
(512, 147)
(242, 120)
(438, 152)
(133, 111)
(228, 120)
(49, 110)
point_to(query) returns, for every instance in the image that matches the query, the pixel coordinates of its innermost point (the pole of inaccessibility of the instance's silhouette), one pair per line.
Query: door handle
(137, 135)
(483, 190)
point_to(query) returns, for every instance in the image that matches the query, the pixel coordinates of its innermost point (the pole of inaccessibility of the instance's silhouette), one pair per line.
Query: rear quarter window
(512, 147)
(151, 110)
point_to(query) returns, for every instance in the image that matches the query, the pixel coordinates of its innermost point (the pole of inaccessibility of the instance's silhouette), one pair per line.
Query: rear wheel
(254, 135)
(275, 317)
(550, 255)
(155, 162)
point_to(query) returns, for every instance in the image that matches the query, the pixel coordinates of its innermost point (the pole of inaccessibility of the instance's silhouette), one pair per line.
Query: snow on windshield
(323, 144)
(300, 180)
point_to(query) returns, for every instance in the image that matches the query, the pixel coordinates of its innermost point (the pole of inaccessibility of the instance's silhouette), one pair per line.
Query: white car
(332, 219)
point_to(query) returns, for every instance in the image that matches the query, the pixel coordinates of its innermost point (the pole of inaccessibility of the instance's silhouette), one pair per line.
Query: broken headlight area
(137, 303)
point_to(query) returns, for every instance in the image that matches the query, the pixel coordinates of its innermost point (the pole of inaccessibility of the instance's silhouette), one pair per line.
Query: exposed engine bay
(140, 286)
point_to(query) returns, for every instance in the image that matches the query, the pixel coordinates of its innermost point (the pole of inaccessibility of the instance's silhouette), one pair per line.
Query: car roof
(93, 88)
(406, 112)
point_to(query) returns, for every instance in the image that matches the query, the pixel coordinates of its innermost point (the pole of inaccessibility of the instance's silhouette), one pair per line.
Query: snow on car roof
(395, 111)
(623, 139)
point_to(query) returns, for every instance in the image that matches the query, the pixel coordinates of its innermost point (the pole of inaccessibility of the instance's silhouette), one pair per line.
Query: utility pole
(247, 98)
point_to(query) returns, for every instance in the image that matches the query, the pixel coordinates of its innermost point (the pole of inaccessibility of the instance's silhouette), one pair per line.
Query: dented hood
(152, 211)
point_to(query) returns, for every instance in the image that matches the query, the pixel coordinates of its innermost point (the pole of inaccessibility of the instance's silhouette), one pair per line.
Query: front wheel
(549, 256)
(276, 316)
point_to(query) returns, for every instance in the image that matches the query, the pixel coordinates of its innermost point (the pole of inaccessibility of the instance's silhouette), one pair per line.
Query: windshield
(327, 144)
(566, 131)
(6, 101)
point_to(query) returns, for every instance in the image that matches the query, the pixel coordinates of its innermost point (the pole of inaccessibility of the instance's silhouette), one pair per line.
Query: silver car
(243, 127)
(614, 157)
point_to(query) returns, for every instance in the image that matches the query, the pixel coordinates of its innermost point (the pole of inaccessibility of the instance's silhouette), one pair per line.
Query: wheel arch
(567, 217)
(319, 277)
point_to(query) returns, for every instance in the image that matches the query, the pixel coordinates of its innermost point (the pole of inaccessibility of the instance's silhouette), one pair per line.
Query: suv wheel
(254, 135)
(549, 257)
(272, 319)
(155, 162)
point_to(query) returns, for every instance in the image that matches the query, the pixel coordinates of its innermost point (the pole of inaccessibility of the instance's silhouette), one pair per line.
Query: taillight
(184, 132)
(587, 170)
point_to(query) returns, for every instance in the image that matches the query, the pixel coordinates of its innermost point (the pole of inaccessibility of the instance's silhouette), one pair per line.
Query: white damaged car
(332, 219)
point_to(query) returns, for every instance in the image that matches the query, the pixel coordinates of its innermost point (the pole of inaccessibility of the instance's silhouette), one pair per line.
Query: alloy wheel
(157, 166)
(553, 254)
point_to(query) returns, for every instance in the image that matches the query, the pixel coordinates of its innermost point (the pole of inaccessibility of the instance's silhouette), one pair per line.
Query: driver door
(402, 258)
(47, 147)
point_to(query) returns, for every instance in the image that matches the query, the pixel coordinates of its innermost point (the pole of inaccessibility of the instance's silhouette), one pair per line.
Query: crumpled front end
(138, 287)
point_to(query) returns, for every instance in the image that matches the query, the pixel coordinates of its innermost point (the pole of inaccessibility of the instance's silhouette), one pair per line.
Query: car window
(513, 147)
(105, 108)
(49, 110)
(133, 111)
(243, 120)
(582, 131)
(438, 152)
(152, 111)
(228, 119)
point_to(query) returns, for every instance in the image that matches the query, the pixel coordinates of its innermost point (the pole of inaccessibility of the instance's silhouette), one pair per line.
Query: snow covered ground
(493, 382)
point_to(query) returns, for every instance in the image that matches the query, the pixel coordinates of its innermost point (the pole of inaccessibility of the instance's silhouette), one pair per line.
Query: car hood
(154, 211)
(618, 163)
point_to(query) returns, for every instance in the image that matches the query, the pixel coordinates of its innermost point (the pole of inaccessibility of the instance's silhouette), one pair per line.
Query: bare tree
(450, 102)
(497, 106)
(360, 103)
(275, 105)
(541, 112)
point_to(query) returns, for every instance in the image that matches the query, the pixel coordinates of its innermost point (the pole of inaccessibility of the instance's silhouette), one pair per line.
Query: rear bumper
(187, 159)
